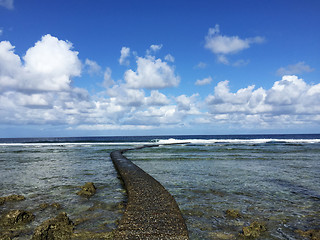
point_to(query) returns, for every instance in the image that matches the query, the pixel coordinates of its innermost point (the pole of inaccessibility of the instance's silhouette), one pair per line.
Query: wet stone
(87, 190)
(44, 206)
(11, 198)
(58, 228)
(254, 230)
(311, 234)
(151, 211)
(233, 213)
(16, 217)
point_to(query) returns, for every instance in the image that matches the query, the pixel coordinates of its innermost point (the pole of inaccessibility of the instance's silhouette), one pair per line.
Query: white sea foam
(75, 144)
(171, 141)
(236, 141)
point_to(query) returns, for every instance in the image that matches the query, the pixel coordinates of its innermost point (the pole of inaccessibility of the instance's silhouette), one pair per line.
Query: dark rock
(254, 230)
(311, 234)
(88, 190)
(15, 217)
(56, 205)
(233, 213)
(58, 228)
(11, 198)
(44, 206)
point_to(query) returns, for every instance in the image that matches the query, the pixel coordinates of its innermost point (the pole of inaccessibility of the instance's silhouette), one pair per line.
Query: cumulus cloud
(154, 48)
(297, 68)
(201, 65)
(222, 45)
(169, 58)
(7, 4)
(157, 99)
(37, 89)
(288, 100)
(205, 81)
(125, 53)
(47, 66)
(151, 73)
(92, 67)
(107, 79)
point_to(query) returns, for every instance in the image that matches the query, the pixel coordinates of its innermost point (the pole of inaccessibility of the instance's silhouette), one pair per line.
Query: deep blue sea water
(273, 179)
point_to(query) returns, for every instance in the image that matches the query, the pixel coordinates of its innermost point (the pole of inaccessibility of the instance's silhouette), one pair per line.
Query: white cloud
(48, 66)
(157, 99)
(92, 67)
(290, 101)
(297, 68)
(201, 65)
(7, 4)
(107, 79)
(154, 48)
(125, 53)
(1, 31)
(222, 45)
(37, 89)
(151, 73)
(205, 81)
(169, 58)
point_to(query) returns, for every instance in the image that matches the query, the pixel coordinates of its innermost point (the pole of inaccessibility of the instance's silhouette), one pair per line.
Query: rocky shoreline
(21, 221)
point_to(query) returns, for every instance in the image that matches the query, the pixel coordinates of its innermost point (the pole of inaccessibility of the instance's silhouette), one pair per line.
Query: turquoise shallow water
(273, 180)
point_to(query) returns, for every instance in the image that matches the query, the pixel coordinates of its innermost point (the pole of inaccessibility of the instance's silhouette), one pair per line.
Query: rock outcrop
(16, 217)
(254, 230)
(87, 190)
(11, 198)
(58, 228)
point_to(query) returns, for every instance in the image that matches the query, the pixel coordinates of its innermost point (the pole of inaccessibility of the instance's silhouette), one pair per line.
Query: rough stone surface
(254, 230)
(233, 213)
(16, 217)
(58, 228)
(311, 234)
(151, 212)
(87, 190)
(10, 198)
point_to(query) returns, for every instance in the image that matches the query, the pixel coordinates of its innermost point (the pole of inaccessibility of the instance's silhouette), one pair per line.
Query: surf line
(151, 211)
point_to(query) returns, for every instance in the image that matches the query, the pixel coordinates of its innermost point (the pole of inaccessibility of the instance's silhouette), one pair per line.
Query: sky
(170, 67)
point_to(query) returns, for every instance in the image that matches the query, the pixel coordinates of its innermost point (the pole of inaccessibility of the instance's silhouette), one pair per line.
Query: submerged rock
(311, 234)
(16, 217)
(44, 206)
(88, 190)
(254, 230)
(233, 213)
(60, 227)
(11, 198)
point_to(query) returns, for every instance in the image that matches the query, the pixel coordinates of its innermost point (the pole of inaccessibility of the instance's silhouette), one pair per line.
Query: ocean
(270, 179)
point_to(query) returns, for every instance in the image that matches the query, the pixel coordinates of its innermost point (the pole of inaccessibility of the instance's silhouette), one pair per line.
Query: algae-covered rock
(233, 213)
(44, 206)
(254, 230)
(311, 234)
(58, 228)
(88, 190)
(16, 217)
(10, 198)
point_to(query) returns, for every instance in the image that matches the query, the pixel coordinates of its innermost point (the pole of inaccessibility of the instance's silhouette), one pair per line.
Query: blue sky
(74, 68)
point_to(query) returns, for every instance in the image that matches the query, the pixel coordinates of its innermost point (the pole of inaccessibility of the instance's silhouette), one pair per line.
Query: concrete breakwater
(151, 211)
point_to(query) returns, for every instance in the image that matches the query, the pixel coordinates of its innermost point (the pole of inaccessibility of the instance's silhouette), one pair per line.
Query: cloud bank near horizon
(38, 89)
